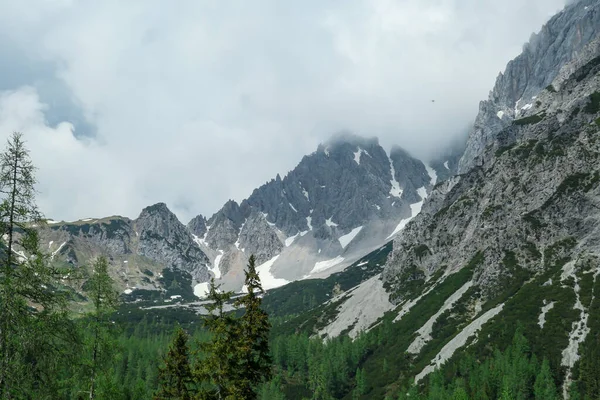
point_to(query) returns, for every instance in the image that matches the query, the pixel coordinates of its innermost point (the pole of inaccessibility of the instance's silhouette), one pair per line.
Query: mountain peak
(347, 137)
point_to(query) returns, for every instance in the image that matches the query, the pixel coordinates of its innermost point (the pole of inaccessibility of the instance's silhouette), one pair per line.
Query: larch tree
(34, 325)
(104, 297)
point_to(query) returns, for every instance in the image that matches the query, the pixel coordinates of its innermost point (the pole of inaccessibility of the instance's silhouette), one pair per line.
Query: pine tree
(217, 371)
(254, 359)
(30, 303)
(544, 387)
(175, 377)
(105, 300)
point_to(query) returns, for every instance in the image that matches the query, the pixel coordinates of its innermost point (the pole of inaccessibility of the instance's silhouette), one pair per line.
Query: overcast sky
(189, 102)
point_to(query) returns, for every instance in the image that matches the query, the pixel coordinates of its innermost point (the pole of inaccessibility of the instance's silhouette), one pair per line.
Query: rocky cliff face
(512, 242)
(520, 227)
(138, 250)
(559, 42)
(340, 202)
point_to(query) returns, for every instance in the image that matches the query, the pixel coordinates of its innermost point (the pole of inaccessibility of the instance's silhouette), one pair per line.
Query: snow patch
(305, 193)
(366, 303)
(54, 253)
(415, 209)
(309, 223)
(176, 296)
(500, 114)
(346, 239)
(527, 106)
(395, 190)
(237, 242)
(362, 263)
(201, 289)
(292, 207)
(542, 317)
(323, 265)
(265, 215)
(458, 341)
(290, 240)
(446, 165)
(267, 279)
(329, 222)
(579, 330)
(50, 244)
(358, 154)
(50, 221)
(127, 291)
(432, 174)
(424, 333)
(215, 269)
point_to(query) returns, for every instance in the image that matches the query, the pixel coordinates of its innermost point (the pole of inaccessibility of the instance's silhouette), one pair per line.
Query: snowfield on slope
(266, 277)
(346, 239)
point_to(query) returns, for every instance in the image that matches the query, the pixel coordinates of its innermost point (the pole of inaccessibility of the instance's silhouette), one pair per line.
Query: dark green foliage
(504, 149)
(544, 386)
(490, 210)
(99, 349)
(589, 367)
(175, 376)
(593, 105)
(534, 222)
(218, 370)
(252, 344)
(514, 373)
(421, 251)
(584, 71)
(36, 334)
(550, 88)
(532, 119)
(578, 182)
(524, 150)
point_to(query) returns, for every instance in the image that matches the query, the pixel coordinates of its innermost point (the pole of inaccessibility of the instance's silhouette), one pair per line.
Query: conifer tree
(544, 387)
(31, 304)
(175, 376)
(217, 372)
(254, 359)
(105, 300)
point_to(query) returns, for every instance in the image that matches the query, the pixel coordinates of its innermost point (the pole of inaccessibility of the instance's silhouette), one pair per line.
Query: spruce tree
(175, 376)
(217, 371)
(254, 359)
(31, 302)
(105, 300)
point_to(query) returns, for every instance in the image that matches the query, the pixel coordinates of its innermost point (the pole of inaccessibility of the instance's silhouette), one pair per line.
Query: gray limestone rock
(560, 41)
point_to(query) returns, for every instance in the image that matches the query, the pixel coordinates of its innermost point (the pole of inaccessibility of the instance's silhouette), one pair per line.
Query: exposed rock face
(162, 238)
(197, 226)
(559, 42)
(538, 183)
(338, 203)
(137, 250)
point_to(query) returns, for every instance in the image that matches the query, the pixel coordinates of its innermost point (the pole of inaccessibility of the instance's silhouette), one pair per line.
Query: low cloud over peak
(199, 103)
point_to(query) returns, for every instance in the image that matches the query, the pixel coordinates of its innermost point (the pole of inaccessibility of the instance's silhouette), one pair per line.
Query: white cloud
(202, 102)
